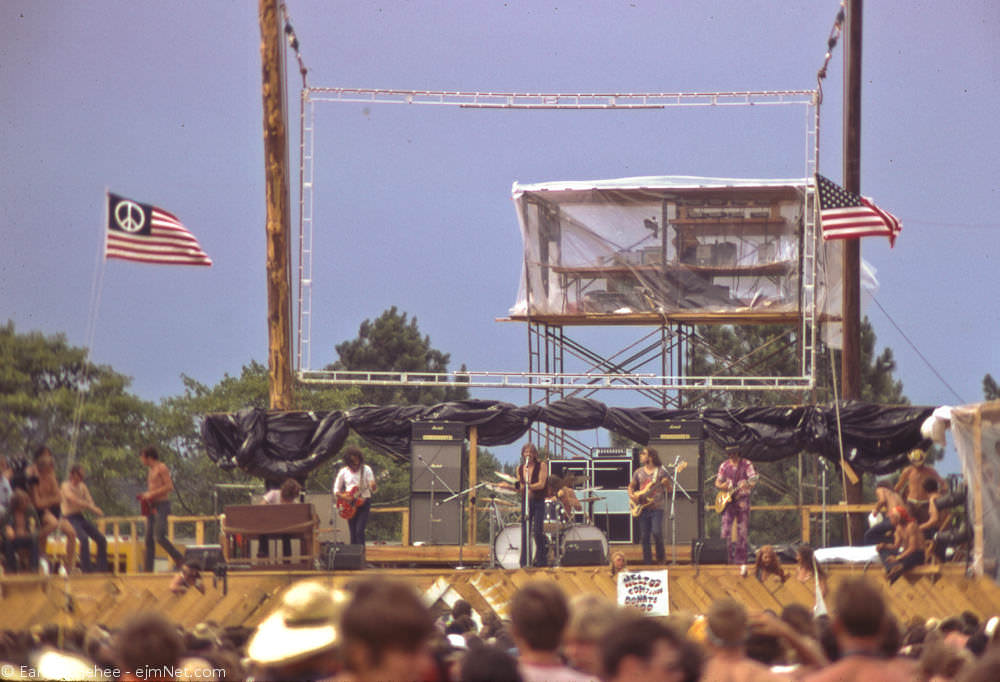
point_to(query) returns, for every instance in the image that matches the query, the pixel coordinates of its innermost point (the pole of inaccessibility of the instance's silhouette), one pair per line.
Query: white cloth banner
(644, 590)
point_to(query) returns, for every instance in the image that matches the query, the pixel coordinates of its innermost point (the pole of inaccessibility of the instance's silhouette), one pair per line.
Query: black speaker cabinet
(685, 523)
(611, 474)
(436, 450)
(618, 527)
(709, 551)
(342, 557)
(435, 523)
(208, 556)
(584, 553)
(571, 467)
(680, 440)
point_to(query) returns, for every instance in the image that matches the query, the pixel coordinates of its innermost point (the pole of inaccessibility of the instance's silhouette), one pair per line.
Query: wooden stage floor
(248, 596)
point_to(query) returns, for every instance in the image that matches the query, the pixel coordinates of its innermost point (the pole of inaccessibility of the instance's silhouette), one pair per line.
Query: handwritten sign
(644, 590)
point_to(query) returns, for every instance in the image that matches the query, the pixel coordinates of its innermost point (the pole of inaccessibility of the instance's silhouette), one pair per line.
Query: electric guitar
(644, 497)
(348, 507)
(725, 497)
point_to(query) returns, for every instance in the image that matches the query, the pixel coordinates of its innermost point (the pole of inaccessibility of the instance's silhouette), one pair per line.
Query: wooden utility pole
(279, 326)
(850, 357)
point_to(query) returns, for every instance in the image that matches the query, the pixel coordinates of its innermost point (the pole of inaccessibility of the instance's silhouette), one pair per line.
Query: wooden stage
(26, 601)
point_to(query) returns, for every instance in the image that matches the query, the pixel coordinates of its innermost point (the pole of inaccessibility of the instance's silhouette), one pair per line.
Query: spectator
(642, 648)
(188, 576)
(767, 563)
(882, 527)
(43, 486)
(76, 499)
(726, 633)
(300, 639)
(386, 630)
(907, 548)
(859, 623)
(489, 664)
(20, 527)
(590, 617)
(539, 614)
(148, 648)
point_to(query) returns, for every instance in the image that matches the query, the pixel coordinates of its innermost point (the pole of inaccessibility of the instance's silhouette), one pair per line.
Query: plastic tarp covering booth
(976, 430)
(660, 245)
(275, 445)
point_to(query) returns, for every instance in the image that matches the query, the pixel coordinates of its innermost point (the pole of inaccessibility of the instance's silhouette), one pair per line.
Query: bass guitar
(644, 497)
(725, 497)
(348, 506)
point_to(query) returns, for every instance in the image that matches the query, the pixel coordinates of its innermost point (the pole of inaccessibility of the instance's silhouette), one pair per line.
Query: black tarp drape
(276, 445)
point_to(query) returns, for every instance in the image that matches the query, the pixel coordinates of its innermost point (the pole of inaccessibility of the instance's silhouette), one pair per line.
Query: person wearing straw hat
(911, 483)
(299, 640)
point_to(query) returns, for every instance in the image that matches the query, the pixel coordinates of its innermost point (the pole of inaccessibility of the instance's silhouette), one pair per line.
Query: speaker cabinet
(584, 553)
(611, 474)
(332, 528)
(577, 468)
(709, 551)
(343, 557)
(436, 450)
(617, 527)
(208, 556)
(435, 523)
(680, 440)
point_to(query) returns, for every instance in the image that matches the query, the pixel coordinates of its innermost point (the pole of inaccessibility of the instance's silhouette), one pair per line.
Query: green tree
(50, 393)
(393, 343)
(991, 391)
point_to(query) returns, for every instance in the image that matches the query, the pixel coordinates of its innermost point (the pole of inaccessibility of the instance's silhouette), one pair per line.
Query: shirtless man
(860, 617)
(885, 499)
(43, 487)
(911, 483)
(727, 630)
(907, 548)
(157, 507)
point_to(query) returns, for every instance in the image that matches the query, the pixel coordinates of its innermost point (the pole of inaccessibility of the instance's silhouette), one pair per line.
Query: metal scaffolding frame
(548, 343)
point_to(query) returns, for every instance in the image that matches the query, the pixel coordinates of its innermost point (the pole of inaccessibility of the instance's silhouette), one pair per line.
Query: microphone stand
(674, 485)
(461, 531)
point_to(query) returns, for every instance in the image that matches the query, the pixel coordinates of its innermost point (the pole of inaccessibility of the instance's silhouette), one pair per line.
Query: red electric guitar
(348, 507)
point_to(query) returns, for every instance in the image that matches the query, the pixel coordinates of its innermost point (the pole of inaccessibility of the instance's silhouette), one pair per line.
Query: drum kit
(557, 525)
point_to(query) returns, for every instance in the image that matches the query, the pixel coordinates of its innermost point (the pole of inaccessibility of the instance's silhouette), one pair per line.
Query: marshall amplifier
(436, 456)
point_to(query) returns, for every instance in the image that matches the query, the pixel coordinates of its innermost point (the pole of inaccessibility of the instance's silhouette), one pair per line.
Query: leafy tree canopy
(392, 342)
(991, 391)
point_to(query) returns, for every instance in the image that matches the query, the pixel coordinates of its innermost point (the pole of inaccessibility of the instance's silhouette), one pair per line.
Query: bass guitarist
(353, 488)
(648, 490)
(735, 480)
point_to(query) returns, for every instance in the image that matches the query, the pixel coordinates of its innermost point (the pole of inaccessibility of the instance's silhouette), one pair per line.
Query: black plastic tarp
(279, 444)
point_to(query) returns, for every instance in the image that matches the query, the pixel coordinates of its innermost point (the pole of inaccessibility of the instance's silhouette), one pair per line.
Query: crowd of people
(380, 629)
(34, 505)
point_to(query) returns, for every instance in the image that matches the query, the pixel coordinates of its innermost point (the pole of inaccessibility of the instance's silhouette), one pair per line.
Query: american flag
(844, 215)
(147, 234)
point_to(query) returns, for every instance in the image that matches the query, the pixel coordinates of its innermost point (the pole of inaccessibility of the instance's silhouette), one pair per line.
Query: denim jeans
(651, 524)
(156, 532)
(85, 531)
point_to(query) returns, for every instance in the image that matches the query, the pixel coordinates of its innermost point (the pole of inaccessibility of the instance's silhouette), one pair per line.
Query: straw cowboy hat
(917, 456)
(305, 623)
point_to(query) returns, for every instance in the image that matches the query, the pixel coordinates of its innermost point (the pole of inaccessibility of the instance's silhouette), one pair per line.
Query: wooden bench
(242, 523)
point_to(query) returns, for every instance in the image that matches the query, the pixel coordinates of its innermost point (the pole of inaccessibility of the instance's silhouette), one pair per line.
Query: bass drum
(585, 532)
(507, 547)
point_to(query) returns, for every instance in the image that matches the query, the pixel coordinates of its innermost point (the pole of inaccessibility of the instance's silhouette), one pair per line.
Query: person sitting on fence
(907, 548)
(20, 531)
(881, 527)
(76, 499)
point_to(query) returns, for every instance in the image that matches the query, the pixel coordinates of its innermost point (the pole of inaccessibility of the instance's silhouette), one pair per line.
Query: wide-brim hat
(917, 455)
(307, 622)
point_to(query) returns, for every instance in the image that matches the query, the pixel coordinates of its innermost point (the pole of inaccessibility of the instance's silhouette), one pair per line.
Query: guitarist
(355, 482)
(649, 486)
(737, 477)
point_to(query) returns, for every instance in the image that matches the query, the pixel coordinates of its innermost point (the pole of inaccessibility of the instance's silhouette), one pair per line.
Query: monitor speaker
(709, 551)
(584, 553)
(208, 556)
(342, 557)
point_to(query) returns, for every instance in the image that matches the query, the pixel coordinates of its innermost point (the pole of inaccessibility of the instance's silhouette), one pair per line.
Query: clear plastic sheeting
(976, 429)
(661, 246)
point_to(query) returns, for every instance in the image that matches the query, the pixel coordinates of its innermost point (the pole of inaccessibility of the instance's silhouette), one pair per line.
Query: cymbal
(501, 503)
(594, 498)
(505, 477)
(493, 488)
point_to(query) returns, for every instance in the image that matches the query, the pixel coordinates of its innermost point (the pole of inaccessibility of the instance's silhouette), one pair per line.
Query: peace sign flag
(147, 234)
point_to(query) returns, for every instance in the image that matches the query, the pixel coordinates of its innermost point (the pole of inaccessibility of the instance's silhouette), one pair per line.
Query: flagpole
(93, 308)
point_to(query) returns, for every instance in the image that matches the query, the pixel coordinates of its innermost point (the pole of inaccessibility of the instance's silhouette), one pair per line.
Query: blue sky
(160, 101)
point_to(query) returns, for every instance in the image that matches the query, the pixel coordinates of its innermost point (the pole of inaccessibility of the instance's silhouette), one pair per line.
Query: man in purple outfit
(736, 477)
